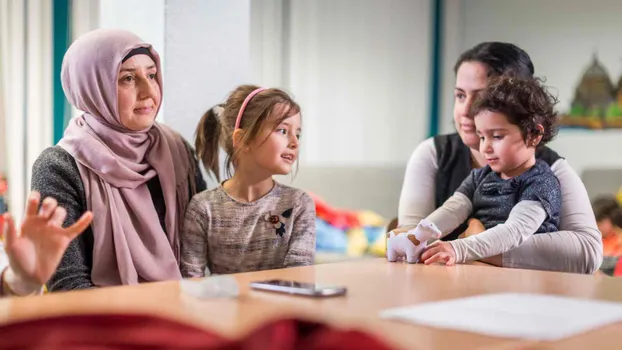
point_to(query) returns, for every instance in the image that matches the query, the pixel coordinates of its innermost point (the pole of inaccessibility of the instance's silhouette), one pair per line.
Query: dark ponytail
(208, 139)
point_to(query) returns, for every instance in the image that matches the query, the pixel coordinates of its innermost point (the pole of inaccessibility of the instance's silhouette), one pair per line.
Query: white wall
(269, 41)
(561, 37)
(360, 71)
(207, 46)
(85, 16)
(452, 48)
(208, 55)
(145, 18)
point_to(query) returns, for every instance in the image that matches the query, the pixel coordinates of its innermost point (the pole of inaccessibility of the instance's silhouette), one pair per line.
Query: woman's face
(138, 92)
(470, 79)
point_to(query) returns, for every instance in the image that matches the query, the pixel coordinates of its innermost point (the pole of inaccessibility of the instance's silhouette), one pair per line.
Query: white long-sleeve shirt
(524, 219)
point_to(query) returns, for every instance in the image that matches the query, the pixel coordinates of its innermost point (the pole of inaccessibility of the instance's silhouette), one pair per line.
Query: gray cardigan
(55, 174)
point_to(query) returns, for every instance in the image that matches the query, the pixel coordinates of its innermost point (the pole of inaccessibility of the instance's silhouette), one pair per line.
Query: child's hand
(439, 251)
(36, 251)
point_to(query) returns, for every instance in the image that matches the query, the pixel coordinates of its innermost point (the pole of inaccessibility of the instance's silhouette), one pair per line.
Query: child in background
(249, 222)
(608, 215)
(515, 195)
(609, 219)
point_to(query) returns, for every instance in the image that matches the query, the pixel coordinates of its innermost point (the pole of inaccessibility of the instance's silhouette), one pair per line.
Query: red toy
(338, 218)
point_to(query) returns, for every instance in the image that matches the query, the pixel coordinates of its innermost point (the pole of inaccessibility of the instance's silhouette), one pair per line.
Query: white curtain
(4, 52)
(25, 90)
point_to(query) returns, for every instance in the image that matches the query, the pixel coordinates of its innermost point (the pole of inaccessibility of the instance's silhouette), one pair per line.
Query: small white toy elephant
(411, 243)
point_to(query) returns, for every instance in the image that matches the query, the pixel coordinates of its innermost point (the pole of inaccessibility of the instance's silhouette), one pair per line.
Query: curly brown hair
(526, 103)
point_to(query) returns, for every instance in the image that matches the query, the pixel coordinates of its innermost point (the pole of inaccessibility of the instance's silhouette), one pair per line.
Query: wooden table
(373, 285)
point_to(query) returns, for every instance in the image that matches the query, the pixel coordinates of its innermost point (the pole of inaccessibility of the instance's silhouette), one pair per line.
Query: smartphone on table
(298, 288)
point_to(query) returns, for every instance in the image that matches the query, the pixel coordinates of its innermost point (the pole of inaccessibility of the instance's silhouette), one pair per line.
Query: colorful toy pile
(347, 232)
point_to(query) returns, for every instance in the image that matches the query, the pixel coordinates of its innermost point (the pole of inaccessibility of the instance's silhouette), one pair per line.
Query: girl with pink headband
(249, 222)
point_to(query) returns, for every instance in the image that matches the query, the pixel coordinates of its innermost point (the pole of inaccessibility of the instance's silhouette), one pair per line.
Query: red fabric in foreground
(105, 332)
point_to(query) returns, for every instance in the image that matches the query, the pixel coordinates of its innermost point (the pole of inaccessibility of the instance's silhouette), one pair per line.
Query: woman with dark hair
(439, 165)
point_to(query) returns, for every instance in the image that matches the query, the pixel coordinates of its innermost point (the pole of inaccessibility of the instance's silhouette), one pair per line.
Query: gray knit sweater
(228, 236)
(55, 174)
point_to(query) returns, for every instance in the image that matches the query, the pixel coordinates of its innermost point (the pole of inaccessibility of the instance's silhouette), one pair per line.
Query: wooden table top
(373, 285)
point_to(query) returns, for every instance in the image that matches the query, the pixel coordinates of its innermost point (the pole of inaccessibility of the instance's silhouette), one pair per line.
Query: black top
(494, 198)
(55, 174)
(454, 165)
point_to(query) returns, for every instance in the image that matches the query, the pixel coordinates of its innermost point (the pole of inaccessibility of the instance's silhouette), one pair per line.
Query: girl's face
(470, 79)
(138, 93)
(275, 150)
(503, 146)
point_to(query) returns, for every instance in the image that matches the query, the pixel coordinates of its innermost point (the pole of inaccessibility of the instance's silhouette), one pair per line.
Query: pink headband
(246, 100)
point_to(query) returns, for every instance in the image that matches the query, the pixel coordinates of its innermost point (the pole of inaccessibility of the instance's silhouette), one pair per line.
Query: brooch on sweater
(276, 222)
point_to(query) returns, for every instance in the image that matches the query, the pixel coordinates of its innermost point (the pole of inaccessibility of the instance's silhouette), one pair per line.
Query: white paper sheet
(526, 316)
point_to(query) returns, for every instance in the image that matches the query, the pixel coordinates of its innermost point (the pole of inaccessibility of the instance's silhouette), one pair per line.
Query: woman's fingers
(10, 234)
(58, 217)
(32, 204)
(48, 208)
(79, 226)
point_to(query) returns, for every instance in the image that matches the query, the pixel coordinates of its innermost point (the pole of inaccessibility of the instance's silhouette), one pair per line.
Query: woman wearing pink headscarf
(135, 175)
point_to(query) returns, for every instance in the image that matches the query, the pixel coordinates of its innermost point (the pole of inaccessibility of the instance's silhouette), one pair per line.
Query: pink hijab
(116, 163)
